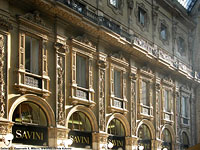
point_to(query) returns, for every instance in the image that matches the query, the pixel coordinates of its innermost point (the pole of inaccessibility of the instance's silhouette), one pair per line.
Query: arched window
(167, 139)
(144, 137)
(29, 113)
(185, 140)
(144, 132)
(116, 128)
(80, 122)
(30, 126)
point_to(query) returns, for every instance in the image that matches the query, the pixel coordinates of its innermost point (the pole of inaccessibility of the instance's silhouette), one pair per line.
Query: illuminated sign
(81, 139)
(117, 141)
(30, 135)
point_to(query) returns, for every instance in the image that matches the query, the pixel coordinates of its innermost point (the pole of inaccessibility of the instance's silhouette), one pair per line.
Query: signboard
(117, 141)
(167, 145)
(81, 139)
(30, 135)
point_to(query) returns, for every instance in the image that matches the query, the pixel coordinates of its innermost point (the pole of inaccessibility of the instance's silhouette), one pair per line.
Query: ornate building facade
(124, 72)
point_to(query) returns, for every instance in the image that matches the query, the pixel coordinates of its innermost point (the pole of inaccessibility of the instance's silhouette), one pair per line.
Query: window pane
(163, 32)
(35, 56)
(28, 53)
(115, 127)
(81, 71)
(167, 101)
(144, 94)
(144, 132)
(28, 112)
(114, 3)
(117, 84)
(141, 16)
(167, 136)
(32, 55)
(184, 107)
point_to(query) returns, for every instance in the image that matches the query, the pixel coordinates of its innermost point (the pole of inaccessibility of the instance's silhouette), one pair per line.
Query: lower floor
(31, 122)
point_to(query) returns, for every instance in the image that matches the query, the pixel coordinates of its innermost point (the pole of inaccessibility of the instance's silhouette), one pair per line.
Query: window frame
(121, 66)
(80, 94)
(145, 75)
(27, 81)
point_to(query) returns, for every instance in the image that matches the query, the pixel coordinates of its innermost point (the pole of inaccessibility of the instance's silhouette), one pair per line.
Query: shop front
(116, 133)
(30, 125)
(144, 137)
(167, 140)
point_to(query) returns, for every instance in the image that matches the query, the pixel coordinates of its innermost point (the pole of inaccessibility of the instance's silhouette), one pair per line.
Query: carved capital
(5, 23)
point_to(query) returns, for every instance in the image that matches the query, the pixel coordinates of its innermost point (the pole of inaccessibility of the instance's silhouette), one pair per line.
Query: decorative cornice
(5, 23)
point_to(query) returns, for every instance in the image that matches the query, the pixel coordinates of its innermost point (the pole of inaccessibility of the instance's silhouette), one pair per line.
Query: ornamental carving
(5, 23)
(158, 99)
(84, 39)
(102, 66)
(2, 77)
(60, 69)
(35, 18)
(133, 104)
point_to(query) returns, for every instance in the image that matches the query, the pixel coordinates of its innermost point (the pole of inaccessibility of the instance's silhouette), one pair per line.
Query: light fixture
(141, 147)
(65, 143)
(165, 148)
(7, 139)
(110, 145)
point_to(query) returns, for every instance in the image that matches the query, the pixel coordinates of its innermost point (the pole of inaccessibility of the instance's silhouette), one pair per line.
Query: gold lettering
(86, 139)
(37, 134)
(24, 135)
(42, 136)
(18, 134)
(29, 135)
(34, 136)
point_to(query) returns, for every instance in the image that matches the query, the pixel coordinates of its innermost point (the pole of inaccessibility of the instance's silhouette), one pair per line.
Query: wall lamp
(141, 147)
(65, 143)
(7, 139)
(165, 148)
(108, 146)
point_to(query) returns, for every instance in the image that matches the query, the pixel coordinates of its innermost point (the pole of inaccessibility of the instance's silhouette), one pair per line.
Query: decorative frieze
(101, 73)
(61, 50)
(2, 76)
(5, 23)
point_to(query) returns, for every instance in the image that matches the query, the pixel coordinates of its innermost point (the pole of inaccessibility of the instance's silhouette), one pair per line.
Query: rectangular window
(117, 84)
(81, 71)
(167, 100)
(32, 55)
(114, 3)
(184, 107)
(163, 32)
(145, 100)
(141, 16)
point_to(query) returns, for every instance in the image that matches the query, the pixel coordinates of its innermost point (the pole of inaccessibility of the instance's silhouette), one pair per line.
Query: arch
(170, 130)
(88, 112)
(37, 100)
(123, 120)
(149, 125)
(187, 133)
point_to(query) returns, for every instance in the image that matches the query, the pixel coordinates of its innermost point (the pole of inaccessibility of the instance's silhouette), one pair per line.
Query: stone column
(101, 93)
(99, 141)
(131, 143)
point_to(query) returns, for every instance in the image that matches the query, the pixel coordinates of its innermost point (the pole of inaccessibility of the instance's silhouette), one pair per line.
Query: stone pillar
(101, 93)
(131, 143)
(99, 141)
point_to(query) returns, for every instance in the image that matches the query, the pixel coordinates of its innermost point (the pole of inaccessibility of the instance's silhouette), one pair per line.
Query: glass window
(181, 47)
(116, 128)
(184, 107)
(185, 140)
(117, 84)
(79, 121)
(81, 71)
(167, 136)
(163, 32)
(114, 3)
(167, 100)
(141, 16)
(32, 53)
(145, 100)
(144, 132)
(29, 113)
